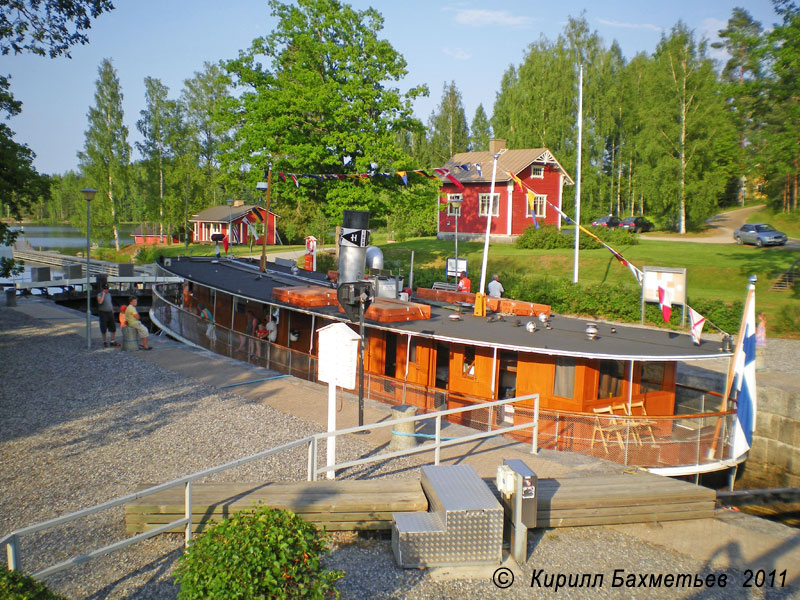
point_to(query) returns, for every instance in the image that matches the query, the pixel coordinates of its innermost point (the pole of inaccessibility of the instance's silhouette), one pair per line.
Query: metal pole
(458, 208)
(267, 195)
(578, 178)
(187, 500)
(480, 298)
(88, 287)
(361, 362)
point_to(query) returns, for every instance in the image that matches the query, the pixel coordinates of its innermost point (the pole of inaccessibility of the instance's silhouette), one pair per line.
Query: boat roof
(566, 337)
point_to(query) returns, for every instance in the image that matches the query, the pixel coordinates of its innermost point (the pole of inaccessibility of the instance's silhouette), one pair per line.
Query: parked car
(636, 224)
(760, 234)
(607, 221)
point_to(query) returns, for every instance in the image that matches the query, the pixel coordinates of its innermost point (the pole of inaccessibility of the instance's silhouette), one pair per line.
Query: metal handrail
(11, 540)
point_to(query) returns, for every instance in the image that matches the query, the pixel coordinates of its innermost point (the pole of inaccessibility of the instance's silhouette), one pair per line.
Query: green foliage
(447, 129)
(326, 261)
(16, 586)
(480, 132)
(788, 320)
(262, 553)
(548, 237)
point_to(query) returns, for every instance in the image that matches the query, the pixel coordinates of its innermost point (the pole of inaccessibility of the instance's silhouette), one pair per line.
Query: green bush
(261, 553)
(549, 237)
(16, 586)
(788, 320)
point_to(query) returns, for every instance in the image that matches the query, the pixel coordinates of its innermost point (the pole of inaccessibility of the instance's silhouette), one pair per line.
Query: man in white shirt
(495, 288)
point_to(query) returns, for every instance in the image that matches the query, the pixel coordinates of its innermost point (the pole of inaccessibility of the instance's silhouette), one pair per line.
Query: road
(720, 229)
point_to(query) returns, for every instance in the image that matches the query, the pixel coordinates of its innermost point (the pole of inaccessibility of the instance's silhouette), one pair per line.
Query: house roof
(514, 161)
(221, 214)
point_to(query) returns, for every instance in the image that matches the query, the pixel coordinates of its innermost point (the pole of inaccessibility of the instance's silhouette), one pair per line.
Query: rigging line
(230, 385)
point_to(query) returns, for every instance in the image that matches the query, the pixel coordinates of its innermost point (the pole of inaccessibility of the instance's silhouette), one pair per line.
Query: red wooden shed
(511, 214)
(243, 219)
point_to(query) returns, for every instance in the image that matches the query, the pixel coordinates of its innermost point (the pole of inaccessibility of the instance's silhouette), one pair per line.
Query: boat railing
(699, 439)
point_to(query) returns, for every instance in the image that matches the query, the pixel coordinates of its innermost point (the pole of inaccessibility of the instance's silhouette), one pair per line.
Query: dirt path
(720, 228)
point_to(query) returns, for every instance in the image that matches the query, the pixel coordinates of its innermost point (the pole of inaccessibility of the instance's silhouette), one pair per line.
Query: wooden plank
(623, 510)
(615, 520)
(329, 526)
(349, 504)
(140, 518)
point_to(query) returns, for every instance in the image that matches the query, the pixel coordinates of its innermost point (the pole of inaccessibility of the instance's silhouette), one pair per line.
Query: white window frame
(537, 172)
(451, 210)
(483, 203)
(540, 204)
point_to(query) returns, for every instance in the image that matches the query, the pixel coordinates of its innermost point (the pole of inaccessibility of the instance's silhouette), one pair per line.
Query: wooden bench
(344, 505)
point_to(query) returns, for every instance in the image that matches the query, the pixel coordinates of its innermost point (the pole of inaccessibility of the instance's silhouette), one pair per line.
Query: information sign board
(338, 355)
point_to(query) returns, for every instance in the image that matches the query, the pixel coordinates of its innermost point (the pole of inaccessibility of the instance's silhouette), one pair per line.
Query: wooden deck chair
(621, 408)
(641, 424)
(606, 426)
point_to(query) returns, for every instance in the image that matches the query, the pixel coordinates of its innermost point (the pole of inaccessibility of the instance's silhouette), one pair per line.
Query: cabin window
(537, 172)
(484, 205)
(539, 207)
(240, 306)
(468, 367)
(508, 374)
(652, 378)
(454, 210)
(390, 362)
(442, 366)
(564, 382)
(612, 376)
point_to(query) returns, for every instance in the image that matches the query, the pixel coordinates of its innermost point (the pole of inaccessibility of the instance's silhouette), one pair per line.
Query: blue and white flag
(235, 231)
(745, 373)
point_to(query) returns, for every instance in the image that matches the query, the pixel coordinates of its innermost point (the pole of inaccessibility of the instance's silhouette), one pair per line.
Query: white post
(482, 288)
(331, 427)
(578, 180)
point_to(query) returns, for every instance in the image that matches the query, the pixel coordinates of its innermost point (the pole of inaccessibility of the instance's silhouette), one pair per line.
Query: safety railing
(12, 540)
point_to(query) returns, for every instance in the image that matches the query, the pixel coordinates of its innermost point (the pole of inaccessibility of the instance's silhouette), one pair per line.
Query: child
(261, 332)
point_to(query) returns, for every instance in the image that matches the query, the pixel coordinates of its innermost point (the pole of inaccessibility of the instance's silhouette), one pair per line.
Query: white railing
(12, 540)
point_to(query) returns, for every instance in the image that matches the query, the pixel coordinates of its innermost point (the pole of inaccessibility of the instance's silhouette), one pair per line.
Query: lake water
(62, 237)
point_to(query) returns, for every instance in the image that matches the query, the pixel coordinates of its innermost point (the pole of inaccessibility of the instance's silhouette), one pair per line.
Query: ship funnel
(374, 258)
(353, 243)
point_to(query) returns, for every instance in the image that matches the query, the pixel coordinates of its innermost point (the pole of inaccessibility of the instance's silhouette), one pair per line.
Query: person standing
(105, 310)
(133, 319)
(464, 284)
(205, 315)
(495, 288)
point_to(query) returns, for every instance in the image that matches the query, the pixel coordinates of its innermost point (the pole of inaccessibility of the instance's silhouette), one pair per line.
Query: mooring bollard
(403, 433)
(11, 296)
(130, 341)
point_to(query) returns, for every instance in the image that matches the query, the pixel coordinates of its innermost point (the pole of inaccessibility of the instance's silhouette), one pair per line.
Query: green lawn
(714, 271)
(787, 223)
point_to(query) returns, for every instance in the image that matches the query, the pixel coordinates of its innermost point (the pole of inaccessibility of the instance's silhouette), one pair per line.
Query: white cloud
(476, 17)
(649, 26)
(709, 29)
(457, 53)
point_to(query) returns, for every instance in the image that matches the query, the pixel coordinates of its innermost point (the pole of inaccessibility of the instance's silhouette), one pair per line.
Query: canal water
(65, 238)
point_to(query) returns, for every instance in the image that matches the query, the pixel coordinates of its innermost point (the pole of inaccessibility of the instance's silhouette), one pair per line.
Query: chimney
(495, 145)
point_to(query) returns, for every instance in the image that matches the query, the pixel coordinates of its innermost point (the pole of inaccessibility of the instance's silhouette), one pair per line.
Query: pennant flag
(453, 180)
(404, 176)
(478, 167)
(282, 176)
(235, 230)
(245, 220)
(463, 167)
(697, 321)
(665, 301)
(225, 242)
(257, 214)
(294, 178)
(252, 231)
(745, 373)
(532, 206)
(423, 173)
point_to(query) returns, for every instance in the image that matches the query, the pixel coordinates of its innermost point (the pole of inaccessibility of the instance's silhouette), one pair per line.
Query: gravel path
(79, 428)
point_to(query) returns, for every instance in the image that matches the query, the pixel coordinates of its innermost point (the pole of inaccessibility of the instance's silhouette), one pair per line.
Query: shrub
(16, 586)
(788, 320)
(549, 237)
(261, 553)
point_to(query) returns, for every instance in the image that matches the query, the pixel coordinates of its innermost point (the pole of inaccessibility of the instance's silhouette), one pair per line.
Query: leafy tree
(106, 154)
(480, 131)
(448, 131)
(47, 27)
(322, 103)
(20, 184)
(745, 43)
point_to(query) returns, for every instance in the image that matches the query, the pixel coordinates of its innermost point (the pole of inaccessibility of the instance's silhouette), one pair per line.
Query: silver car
(760, 234)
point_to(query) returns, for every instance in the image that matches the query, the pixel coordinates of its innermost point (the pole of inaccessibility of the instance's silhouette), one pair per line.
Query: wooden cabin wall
(223, 311)
(476, 381)
(300, 322)
(535, 375)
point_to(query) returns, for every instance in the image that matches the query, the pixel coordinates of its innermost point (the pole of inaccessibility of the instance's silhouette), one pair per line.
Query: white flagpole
(480, 297)
(578, 179)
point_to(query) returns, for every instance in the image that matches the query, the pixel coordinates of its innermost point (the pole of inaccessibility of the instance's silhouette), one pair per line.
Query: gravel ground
(80, 428)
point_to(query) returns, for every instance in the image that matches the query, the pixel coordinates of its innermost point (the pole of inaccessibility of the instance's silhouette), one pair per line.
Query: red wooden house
(239, 218)
(511, 212)
(151, 233)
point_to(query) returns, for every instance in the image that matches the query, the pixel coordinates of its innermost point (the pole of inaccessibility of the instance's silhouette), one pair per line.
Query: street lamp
(455, 206)
(88, 195)
(230, 226)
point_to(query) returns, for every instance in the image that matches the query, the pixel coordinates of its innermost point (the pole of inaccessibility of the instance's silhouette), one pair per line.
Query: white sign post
(337, 365)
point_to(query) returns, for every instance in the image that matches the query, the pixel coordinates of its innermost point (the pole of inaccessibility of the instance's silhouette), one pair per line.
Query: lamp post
(88, 195)
(266, 187)
(230, 226)
(455, 205)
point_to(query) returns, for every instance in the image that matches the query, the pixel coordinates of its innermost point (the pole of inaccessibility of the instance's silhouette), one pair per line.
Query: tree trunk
(113, 212)
(611, 194)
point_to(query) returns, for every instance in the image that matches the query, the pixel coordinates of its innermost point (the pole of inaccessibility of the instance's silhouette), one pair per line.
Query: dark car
(760, 234)
(636, 224)
(607, 221)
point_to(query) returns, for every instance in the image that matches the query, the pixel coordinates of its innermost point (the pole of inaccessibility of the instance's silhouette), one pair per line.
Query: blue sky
(469, 42)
